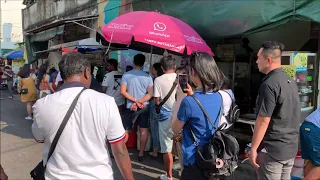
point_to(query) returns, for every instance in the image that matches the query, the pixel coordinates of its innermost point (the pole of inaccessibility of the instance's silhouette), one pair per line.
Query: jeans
(310, 142)
(271, 169)
(154, 125)
(10, 84)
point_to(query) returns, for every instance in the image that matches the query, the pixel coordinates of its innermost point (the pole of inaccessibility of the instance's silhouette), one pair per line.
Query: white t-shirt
(227, 101)
(112, 82)
(162, 86)
(81, 152)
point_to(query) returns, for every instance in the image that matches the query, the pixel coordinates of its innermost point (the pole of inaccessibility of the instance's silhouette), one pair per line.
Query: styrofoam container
(149, 142)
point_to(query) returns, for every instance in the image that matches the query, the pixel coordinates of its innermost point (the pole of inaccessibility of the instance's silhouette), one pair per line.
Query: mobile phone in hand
(183, 81)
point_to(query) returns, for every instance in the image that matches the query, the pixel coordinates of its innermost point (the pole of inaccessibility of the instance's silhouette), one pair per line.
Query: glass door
(306, 80)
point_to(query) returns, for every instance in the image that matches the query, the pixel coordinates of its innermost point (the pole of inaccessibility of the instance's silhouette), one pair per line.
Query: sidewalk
(20, 153)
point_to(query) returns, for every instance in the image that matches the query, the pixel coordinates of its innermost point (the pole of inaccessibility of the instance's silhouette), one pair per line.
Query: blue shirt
(52, 76)
(191, 114)
(137, 83)
(315, 117)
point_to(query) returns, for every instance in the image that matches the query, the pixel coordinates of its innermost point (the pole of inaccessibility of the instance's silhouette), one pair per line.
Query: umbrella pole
(150, 59)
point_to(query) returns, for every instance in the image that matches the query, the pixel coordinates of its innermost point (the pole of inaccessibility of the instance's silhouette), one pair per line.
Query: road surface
(20, 153)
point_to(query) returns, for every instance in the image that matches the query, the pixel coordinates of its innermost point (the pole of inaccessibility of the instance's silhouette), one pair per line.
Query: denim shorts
(165, 132)
(310, 142)
(130, 117)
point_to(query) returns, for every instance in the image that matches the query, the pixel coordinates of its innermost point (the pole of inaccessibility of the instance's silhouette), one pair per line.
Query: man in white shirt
(81, 152)
(111, 83)
(162, 86)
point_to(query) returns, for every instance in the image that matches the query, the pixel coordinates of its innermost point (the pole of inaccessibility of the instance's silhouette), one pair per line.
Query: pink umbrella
(140, 27)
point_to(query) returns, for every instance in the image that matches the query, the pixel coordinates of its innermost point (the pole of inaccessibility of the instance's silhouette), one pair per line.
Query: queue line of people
(82, 150)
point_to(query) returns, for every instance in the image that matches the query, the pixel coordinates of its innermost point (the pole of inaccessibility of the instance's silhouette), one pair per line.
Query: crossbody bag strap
(232, 98)
(205, 112)
(63, 125)
(170, 92)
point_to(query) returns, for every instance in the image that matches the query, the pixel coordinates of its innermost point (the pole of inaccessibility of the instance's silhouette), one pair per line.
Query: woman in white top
(227, 98)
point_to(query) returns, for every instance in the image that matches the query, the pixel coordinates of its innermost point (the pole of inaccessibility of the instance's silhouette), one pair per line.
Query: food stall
(304, 69)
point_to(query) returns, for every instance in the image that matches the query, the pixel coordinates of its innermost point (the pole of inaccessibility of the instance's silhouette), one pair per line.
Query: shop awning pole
(82, 25)
(233, 66)
(151, 51)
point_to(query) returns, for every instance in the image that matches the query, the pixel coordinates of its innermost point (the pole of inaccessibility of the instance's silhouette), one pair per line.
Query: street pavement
(20, 153)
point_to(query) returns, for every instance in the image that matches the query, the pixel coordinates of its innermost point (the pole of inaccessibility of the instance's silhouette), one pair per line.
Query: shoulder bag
(158, 107)
(220, 156)
(38, 173)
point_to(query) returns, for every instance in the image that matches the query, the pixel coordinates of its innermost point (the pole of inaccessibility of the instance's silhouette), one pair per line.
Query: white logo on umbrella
(158, 26)
(193, 39)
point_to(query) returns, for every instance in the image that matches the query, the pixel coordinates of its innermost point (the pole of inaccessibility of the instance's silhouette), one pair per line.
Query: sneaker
(28, 118)
(10, 97)
(165, 177)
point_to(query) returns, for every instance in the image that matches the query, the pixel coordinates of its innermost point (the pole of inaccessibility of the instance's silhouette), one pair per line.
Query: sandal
(140, 158)
(153, 154)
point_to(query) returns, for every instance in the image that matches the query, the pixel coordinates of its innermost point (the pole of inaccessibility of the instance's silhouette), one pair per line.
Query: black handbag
(38, 173)
(165, 99)
(24, 91)
(220, 156)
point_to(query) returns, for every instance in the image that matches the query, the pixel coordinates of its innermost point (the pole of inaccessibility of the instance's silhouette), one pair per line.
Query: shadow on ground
(12, 115)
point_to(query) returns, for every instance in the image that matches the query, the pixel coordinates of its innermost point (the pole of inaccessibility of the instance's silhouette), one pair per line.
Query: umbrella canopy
(135, 29)
(18, 54)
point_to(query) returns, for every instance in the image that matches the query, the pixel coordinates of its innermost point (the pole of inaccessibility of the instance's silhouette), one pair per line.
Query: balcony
(43, 12)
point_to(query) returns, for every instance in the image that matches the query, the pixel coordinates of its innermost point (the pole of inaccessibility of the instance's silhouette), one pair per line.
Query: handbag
(24, 91)
(38, 173)
(165, 99)
(220, 156)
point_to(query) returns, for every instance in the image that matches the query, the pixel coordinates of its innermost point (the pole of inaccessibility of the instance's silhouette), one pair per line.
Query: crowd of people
(109, 113)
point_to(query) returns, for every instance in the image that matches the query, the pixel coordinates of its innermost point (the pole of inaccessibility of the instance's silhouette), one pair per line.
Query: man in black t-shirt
(276, 133)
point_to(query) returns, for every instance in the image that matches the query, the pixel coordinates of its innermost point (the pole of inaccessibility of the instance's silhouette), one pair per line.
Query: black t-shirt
(278, 99)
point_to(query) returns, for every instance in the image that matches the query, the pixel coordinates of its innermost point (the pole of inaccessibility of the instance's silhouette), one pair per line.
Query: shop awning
(216, 19)
(47, 34)
(83, 45)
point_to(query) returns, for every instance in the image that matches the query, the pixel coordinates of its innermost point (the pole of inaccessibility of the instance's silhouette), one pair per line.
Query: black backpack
(220, 156)
(234, 111)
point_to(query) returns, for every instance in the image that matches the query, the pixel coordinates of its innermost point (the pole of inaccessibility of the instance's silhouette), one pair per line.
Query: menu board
(300, 60)
(225, 52)
(290, 70)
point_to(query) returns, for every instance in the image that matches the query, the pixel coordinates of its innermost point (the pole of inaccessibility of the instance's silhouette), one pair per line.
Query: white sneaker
(165, 177)
(28, 118)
